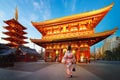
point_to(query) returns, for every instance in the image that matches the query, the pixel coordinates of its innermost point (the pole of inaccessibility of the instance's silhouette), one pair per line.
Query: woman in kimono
(69, 59)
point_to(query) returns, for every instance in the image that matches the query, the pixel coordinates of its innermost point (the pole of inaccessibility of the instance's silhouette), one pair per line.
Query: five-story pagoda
(15, 32)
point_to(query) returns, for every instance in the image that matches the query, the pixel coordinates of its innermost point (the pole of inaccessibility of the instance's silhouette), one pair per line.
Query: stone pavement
(55, 71)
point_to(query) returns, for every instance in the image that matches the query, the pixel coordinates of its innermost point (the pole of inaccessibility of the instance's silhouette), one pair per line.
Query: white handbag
(63, 61)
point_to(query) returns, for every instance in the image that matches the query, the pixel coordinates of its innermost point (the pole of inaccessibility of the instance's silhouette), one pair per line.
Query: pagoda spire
(16, 14)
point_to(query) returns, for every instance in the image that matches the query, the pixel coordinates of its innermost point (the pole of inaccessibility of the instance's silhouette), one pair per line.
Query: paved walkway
(51, 72)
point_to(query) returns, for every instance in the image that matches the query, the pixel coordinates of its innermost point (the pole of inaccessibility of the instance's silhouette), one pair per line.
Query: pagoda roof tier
(15, 23)
(90, 39)
(16, 29)
(12, 45)
(17, 40)
(17, 35)
(92, 18)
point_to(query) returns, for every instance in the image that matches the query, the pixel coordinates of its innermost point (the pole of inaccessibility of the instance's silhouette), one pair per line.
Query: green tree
(116, 52)
(108, 55)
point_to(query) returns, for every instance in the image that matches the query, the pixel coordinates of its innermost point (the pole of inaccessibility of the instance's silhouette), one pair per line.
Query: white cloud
(25, 21)
(71, 4)
(2, 14)
(44, 8)
(3, 36)
(33, 17)
(36, 5)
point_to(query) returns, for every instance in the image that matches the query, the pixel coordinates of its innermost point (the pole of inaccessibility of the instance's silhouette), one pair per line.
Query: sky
(41, 10)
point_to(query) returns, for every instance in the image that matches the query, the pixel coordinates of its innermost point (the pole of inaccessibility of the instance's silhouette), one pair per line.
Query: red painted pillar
(53, 55)
(60, 55)
(78, 55)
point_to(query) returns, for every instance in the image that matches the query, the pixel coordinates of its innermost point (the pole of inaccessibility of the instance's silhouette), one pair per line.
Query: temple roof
(5, 50)
(95, 17)
(90, 39)
(28, 50)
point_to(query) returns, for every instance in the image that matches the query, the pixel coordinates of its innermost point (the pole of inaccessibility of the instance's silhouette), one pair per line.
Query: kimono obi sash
(69, 56)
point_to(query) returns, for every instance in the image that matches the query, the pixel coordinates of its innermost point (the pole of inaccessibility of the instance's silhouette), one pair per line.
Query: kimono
(68, 59)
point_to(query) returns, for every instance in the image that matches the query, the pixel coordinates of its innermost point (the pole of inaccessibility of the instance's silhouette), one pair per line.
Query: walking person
(69, 60)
